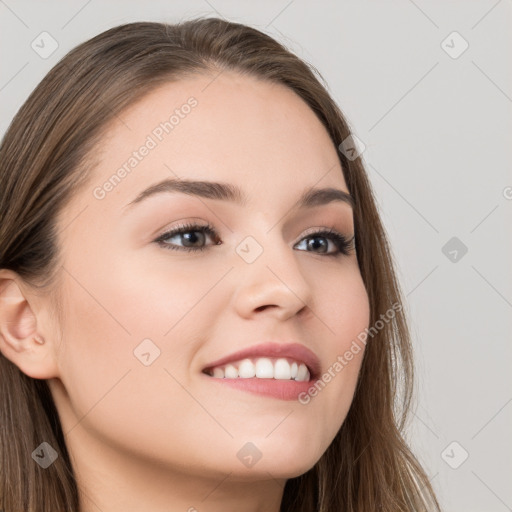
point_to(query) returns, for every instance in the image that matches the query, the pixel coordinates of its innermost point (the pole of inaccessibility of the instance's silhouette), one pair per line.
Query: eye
(191, 242)
(188, 235)
(342, 244)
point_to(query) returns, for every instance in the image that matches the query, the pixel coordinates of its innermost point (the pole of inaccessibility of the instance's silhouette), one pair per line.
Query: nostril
(261, 308)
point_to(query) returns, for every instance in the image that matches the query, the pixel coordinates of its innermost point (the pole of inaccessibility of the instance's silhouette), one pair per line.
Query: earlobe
(20, 341)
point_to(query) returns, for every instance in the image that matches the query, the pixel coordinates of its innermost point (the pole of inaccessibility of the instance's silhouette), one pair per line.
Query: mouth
(262, 368)
(277, 370)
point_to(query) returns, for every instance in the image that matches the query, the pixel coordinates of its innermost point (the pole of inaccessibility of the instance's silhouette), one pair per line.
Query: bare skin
(164, 437)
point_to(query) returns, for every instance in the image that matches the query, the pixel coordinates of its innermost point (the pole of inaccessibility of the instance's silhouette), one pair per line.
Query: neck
(123, 482)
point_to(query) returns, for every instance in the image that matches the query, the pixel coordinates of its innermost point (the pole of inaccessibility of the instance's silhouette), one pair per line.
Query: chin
(276, 469)
(279, 459)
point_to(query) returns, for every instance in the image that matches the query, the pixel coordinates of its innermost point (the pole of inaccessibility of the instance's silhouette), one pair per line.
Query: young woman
(198, 308)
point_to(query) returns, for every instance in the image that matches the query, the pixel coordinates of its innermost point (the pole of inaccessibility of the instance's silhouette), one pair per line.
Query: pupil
(315, 245)
(192, 235)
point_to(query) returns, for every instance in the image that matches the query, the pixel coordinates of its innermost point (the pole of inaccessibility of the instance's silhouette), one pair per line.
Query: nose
(273, 284)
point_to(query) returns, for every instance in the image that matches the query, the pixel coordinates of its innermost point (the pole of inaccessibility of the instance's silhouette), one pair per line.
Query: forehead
(230, 128)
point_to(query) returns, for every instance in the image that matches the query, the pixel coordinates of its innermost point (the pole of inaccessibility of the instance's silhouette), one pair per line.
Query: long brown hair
(44, 158)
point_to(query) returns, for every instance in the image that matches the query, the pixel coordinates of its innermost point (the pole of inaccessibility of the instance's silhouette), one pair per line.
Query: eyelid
(185, 227)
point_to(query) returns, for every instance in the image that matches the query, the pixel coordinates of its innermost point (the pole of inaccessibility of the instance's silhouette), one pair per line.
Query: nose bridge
(269, 272)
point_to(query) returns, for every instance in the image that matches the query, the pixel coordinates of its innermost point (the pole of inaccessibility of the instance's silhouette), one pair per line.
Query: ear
(20, 332)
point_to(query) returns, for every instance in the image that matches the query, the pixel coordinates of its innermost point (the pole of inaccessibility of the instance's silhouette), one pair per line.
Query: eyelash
(343, 245)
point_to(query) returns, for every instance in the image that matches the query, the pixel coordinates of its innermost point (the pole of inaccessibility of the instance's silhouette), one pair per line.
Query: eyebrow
(227, 192)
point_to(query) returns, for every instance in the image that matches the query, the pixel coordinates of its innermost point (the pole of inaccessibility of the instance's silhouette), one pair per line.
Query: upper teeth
(263, 368)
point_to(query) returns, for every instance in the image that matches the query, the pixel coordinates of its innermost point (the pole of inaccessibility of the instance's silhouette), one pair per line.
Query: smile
(262, 368)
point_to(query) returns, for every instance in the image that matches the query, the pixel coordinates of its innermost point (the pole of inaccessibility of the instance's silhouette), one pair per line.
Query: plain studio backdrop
(427, 88)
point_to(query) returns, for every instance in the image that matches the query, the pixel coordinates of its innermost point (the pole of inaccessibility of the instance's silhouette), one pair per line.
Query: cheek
(344, 311)
(144, 295)
(111, 391)
(125, 310)
(345, 305)
(351, 315)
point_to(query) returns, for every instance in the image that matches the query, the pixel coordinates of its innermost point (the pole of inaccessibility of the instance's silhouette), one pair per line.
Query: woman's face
(141, 321)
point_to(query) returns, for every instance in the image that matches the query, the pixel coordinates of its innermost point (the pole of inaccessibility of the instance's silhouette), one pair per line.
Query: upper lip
(272, 349)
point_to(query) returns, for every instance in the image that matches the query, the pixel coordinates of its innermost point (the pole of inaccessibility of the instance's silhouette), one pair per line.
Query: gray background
(438, 150)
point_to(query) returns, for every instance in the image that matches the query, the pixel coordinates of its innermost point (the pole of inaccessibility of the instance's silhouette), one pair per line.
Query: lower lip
(275, 388)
